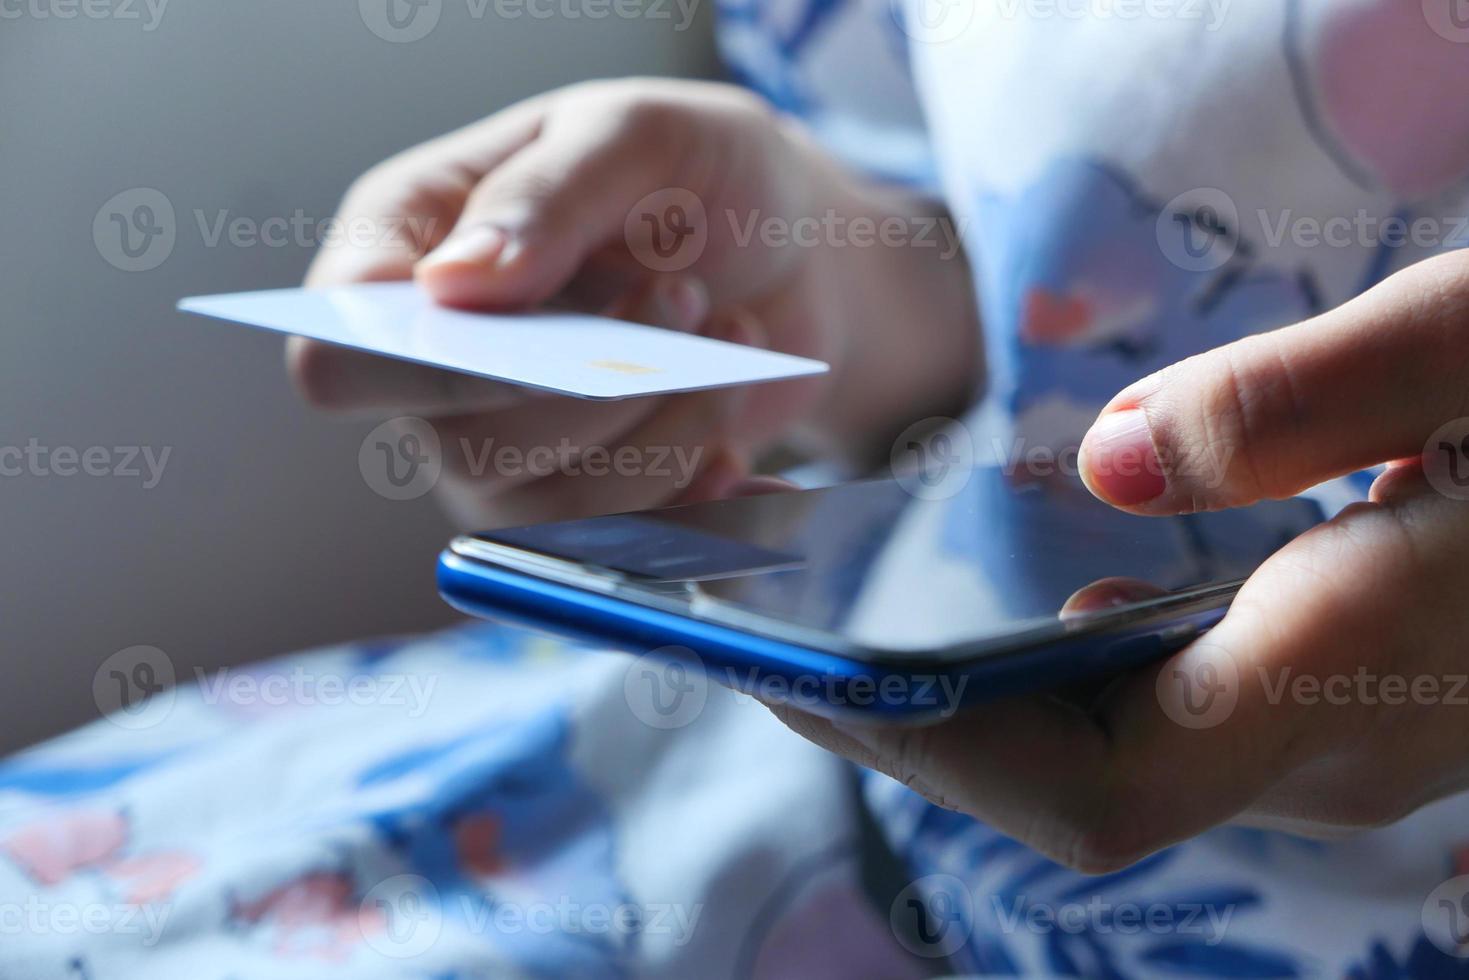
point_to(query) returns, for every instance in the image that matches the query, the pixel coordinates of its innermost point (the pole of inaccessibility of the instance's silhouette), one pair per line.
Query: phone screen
(883, 568)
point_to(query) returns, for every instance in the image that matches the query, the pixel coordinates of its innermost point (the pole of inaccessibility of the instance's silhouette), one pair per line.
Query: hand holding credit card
(575, 354)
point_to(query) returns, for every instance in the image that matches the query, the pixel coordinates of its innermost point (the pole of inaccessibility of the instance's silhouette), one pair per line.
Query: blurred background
(256, 534)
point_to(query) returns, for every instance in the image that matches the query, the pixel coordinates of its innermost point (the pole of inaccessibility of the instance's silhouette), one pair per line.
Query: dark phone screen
(887, 570)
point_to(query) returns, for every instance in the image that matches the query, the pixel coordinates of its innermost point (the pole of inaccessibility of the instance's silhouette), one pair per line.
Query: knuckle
(1247, 390)
(527, 187)
(387, 177)
(651, 115)
(627, 106)
(661, 115)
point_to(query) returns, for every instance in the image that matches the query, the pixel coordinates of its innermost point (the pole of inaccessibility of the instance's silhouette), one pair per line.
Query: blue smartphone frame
(747, 661)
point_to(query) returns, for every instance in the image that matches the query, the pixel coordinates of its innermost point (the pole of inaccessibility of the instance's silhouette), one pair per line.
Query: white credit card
(568, 353)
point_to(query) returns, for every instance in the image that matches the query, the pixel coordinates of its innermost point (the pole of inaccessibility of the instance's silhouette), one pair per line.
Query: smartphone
(879, 597)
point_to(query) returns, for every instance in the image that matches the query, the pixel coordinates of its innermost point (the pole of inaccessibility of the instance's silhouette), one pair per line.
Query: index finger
(1274, 414)
(408, 204)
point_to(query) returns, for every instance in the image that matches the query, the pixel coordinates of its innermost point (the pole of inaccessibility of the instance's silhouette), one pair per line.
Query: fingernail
(1119, 462)
(479, 246)
(682, 303)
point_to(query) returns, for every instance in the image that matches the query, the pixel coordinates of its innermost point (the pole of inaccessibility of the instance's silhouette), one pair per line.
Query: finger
(649, 467)
(1214, 733)
(715, 481)
(492, 453)
(1036, 769)
(1108, 593)
(1054, 775)
(728, 475)
(1276, 413)
(406, 206)
(532, 222)
(546, 436)
(759, 486)
(1165, 753)
(352, 382)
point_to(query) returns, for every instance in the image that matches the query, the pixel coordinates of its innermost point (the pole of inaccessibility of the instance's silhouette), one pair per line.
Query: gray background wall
(261, 536)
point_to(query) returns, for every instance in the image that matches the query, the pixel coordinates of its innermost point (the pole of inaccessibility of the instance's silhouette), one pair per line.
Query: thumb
(531, 223)
(1274, 414)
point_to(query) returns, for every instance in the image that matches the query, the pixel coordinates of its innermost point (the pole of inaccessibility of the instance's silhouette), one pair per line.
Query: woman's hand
(584, 198)
(1332, 696)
